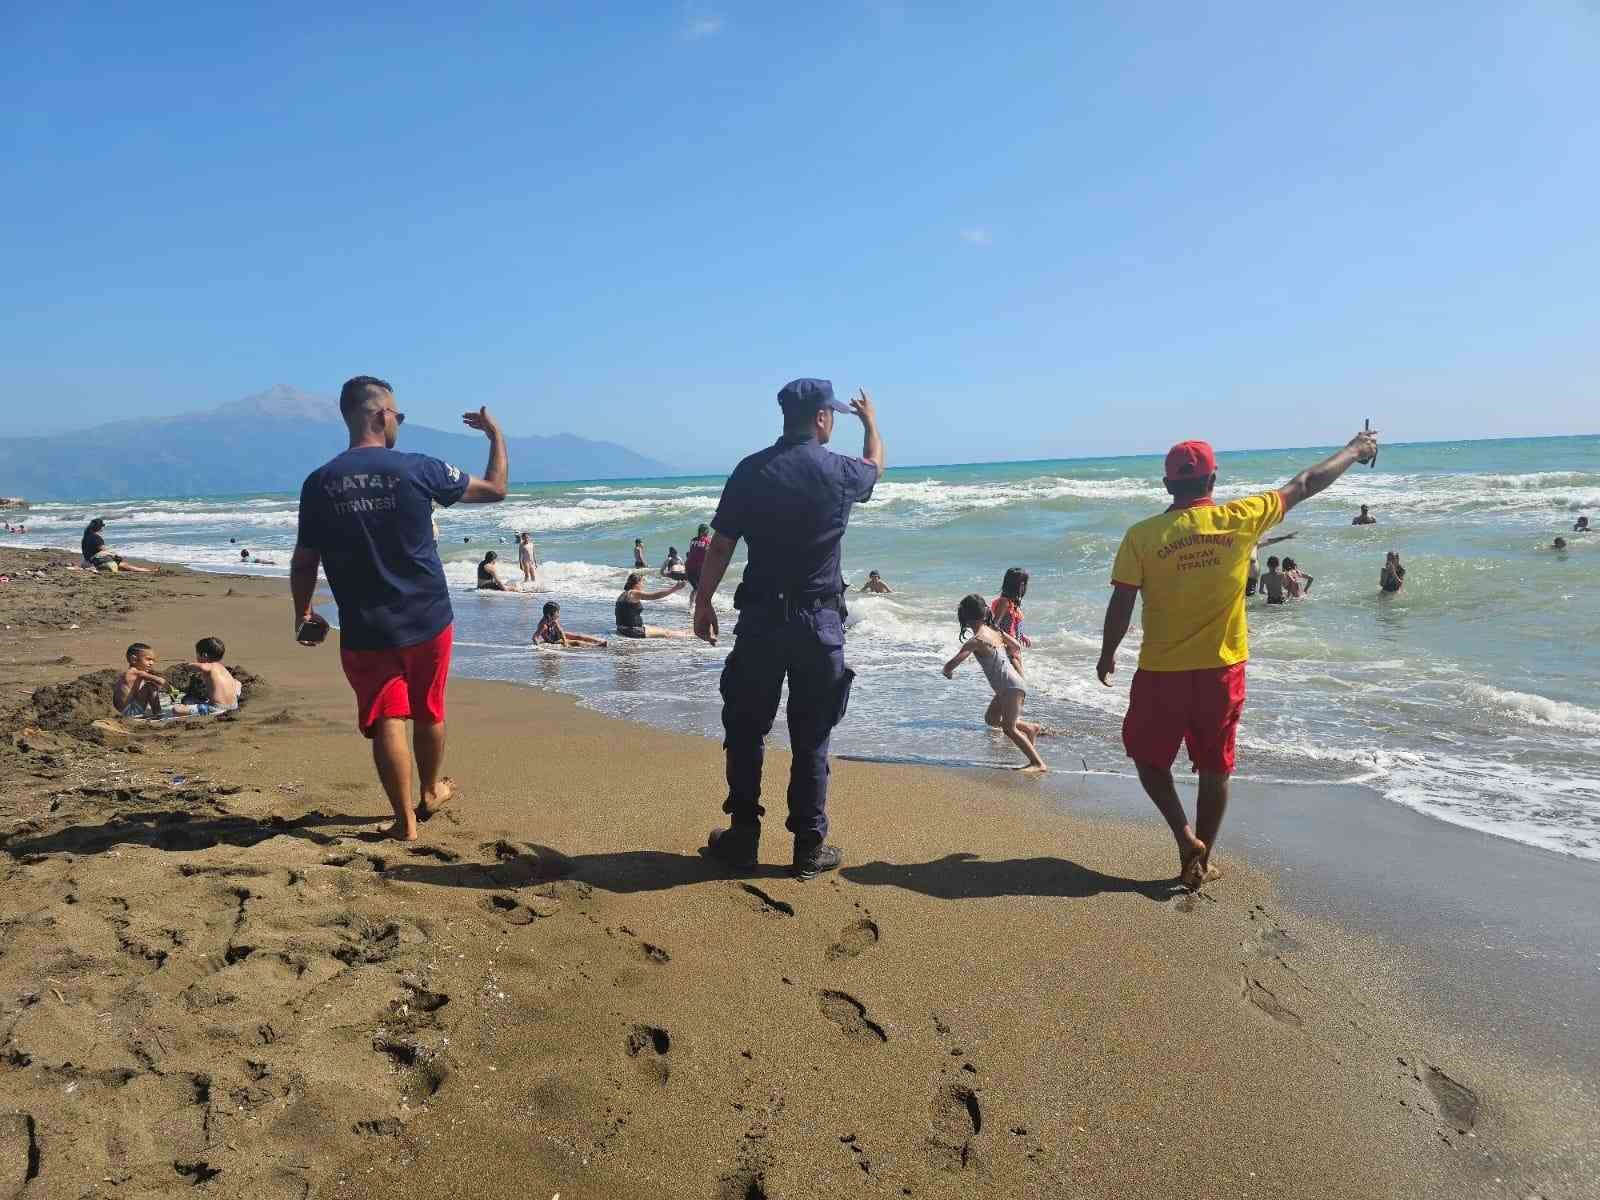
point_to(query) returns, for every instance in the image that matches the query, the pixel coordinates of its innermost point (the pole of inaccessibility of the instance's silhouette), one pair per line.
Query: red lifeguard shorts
(407, 683)
(1199, 709)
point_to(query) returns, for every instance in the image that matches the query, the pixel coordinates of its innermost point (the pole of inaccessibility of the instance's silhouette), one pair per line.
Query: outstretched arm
(1361, 448)
(1273, 541)
(961, 656)
(662, 594)
(718, 555)
(1119, 614)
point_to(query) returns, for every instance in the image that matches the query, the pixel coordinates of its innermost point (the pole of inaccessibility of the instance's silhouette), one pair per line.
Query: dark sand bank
(212, 974)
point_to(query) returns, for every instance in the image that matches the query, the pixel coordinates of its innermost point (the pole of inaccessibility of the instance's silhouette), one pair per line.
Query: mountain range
(267, 442)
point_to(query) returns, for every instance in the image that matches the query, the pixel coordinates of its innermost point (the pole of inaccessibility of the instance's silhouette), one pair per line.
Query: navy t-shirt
(367, 513)
(791, 503)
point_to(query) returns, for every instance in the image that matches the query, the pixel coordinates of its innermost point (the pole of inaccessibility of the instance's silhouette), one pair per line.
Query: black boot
(809, 862)
(735, 848)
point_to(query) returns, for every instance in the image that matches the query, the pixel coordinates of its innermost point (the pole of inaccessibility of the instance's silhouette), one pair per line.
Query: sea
(1473, 695)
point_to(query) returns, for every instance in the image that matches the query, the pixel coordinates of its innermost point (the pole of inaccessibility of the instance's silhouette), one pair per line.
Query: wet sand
(213, 972)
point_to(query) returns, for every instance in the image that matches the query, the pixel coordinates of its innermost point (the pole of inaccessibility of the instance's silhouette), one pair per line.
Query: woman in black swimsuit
(488, 581)
(630, 611)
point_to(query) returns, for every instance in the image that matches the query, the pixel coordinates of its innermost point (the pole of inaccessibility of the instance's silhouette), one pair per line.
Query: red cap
(1191, 460)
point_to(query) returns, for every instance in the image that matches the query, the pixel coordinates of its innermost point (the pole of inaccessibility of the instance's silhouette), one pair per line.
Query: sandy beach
(214, 973)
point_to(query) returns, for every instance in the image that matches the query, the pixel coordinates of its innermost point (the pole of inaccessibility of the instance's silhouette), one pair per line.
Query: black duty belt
(745, 598)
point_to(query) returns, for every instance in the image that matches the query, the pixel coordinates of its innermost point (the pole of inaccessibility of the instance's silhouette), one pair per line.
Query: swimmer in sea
(1296, 583)
(1581, 526)
(550, 633)
(1559, 544)
(1253, 573)
(1364, 517)
(1393, 576)
(875, 583)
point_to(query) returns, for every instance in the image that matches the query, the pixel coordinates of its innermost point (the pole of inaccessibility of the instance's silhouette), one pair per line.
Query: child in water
(1006, 609)
(550, 632)
(997, 653)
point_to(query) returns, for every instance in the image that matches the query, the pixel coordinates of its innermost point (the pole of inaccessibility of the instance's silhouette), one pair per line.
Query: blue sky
(1030, 230)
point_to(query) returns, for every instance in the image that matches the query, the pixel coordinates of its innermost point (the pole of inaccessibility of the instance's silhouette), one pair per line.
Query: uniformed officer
(790, 502)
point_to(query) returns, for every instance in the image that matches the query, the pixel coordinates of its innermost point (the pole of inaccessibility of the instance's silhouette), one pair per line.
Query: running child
(996, 652)
(550, 633)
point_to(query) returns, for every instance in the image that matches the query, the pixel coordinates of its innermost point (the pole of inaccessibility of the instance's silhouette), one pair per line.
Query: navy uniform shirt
(791, 503)
(368, 514)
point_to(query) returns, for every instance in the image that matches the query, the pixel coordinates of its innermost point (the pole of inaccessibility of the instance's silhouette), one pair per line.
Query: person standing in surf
(1191, 563)
(366, 520)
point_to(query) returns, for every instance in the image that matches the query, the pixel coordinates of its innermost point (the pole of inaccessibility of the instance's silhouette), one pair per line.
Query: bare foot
(1192, 863)
(442, 795)
(1210, 873)
(398, 831)
(1034, 769)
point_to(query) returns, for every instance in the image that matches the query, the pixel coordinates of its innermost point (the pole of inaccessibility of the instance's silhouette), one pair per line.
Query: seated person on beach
(1273, 584)
(221, 688)
(1393, 576)
(488, 579)
(673, 567)
(550, 633)
(1364, 517)
(97, 555)
(137, 692)
(875, 584)
(630, 611)
(638, 554)
(1581, 526)
(1296, 583)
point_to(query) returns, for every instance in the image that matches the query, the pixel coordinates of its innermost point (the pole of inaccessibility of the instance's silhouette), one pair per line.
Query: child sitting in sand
(995, 650)
(550, 633)
(138, 691)
(221, 688)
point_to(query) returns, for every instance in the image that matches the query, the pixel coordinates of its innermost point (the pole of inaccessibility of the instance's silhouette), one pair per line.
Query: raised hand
(1365, 444)
(481, 421)
(861, 405)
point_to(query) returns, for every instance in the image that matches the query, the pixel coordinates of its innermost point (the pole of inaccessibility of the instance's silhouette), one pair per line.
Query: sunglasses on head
(399, 417)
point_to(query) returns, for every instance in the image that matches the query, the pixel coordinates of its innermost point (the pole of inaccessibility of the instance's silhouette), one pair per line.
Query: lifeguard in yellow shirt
(1191, 562)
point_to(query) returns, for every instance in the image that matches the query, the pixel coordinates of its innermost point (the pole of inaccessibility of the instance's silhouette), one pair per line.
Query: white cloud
(977, 235)
(701, 25)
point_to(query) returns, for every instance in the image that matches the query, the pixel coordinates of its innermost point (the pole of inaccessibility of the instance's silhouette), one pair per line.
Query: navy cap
(808, 395)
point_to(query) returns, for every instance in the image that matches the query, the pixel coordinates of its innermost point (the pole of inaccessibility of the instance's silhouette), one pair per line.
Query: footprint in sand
(650, 1045)
(956, 1113)
(765, 902)
(517, 912)
(648, 951)
(853, 939)
(850, 1015)
(434, 852)
(1456, 1104)
(1267, 1002)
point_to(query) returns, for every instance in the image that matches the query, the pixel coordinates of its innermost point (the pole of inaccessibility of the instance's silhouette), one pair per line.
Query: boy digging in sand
(222, 689)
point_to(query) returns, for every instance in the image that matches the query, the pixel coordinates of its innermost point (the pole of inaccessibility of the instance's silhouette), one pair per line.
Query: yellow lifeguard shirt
(1191, 564)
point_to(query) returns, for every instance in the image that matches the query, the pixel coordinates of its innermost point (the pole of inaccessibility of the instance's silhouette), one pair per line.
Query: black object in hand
(311, 631)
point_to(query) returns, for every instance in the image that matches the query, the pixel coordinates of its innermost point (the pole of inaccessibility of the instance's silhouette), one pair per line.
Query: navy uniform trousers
(806, 644)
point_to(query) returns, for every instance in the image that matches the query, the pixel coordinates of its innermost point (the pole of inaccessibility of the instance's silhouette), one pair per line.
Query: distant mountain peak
(281, 401)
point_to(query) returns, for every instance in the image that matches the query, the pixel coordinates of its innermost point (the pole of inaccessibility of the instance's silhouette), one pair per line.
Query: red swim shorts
(407, 682)
(1199, 709)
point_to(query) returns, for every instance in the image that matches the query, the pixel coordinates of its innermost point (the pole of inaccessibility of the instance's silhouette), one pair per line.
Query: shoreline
(992, 997)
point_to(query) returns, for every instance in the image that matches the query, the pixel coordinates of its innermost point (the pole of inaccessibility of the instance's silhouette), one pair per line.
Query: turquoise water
(1472, 695)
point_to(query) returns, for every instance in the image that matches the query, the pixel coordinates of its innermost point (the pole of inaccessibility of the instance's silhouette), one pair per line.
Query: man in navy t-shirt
(790, 503)
(366, 520)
